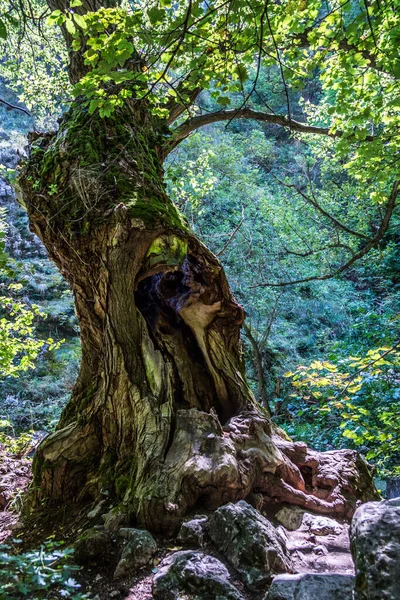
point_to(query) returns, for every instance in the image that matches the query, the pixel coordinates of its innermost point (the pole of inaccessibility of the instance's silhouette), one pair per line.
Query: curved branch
(364, 250)
(182, 131)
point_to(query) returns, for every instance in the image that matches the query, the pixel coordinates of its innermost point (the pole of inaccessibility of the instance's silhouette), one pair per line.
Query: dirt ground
(15, 476)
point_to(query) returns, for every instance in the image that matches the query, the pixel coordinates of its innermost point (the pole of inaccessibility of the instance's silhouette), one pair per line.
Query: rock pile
(236, 553)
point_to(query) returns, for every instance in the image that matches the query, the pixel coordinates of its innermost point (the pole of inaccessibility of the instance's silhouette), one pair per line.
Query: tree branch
(259, 367)
(318, 250)
(232, 235)
(13, 107)
(364, 250)
(318, 207)
(182, 131)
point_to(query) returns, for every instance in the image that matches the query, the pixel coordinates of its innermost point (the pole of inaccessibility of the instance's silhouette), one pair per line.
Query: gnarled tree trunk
(161, 417)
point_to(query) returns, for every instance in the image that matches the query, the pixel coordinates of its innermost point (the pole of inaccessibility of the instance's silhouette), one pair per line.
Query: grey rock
(281, 531)
(290, 517)
(92, 544)
(96, 511)
(375, 545)
(193, 575)
(321, 525)
(250, 543)
(139, 549)
(192, 532)
(394, 502)
(311, 586)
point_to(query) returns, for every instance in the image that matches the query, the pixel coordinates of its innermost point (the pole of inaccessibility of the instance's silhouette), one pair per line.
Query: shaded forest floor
(310, 551)
(15, 476)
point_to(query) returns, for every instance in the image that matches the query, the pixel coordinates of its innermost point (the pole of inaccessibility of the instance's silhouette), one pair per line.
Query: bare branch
(318, 207)
(259, 367)
(13, 107)
(364, 250)
(182, 131)
(318, 250)
(234, 232)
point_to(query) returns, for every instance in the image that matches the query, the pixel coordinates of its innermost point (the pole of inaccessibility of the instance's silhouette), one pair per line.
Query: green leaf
(70, 26)
(80, 21)
(156, 15)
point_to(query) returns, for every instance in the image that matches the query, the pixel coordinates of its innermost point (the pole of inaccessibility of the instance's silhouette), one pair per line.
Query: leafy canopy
(165, 53)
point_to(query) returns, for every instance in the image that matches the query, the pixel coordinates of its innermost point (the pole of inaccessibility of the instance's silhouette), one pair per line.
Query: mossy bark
(161, 416)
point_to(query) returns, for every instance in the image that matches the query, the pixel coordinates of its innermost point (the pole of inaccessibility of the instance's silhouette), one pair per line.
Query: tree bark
(161, 418)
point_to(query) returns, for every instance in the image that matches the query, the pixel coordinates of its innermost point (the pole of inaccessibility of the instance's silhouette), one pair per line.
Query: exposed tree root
(208, 465)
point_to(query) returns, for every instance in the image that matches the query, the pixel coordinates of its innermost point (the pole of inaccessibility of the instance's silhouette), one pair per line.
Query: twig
(12, 106)
(234, 232)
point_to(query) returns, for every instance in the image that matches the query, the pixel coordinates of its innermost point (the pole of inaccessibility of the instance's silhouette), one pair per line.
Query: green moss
(153, 211)
(102, 162)
(121, 485)
(169, 249)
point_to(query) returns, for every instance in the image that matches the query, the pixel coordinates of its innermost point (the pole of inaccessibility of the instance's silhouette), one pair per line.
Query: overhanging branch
(182, 131)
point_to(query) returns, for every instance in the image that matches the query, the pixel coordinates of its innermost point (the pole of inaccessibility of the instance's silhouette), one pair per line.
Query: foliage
(18, 346)
(10, 443)
(358, 394)
(35, 60)
(44, 573)
(160, 51)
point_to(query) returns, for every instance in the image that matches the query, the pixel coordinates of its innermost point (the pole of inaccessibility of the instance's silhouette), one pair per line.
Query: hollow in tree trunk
(161, 417)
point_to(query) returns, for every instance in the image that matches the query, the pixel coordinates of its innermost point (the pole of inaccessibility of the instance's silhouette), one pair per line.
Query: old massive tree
(161, 417)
